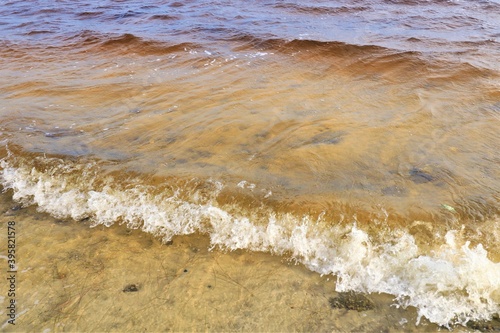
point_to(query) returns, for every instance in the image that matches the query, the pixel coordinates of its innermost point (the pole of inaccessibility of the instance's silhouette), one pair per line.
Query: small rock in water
(62, 132)
(16, 208)
(482, 326)
(351, 301)
(13, 210)
(130, 288)
(328, 138)
(395, 191)
(448, 208)
(419, 176)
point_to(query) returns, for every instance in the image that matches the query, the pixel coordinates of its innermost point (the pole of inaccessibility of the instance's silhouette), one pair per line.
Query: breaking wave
(453, 283)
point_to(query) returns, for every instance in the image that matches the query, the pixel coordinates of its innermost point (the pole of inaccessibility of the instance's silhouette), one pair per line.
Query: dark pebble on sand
(419, 176)
(482, 326)
(169, 243)
(130, 288)
(13, 210)
(351, 301)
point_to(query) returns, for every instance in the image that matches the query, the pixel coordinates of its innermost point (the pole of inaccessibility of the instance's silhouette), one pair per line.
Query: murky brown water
(360, 139)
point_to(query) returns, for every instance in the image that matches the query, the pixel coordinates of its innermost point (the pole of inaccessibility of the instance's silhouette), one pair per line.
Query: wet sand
(75, 278)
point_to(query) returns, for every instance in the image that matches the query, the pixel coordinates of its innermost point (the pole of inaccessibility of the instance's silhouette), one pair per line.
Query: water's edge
(180, 285)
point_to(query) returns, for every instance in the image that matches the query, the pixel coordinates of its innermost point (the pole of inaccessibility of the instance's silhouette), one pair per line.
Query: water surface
(359, 138)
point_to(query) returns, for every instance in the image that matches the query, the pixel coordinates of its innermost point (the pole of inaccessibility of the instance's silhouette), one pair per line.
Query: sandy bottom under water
(75, 278)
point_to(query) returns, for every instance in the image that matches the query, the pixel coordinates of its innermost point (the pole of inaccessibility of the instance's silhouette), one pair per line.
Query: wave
(320, 10)
(367, 59)
(125, 43)
(297, 45)
(89, 14)
(128, 42)
(163, 17)
(38, 32)
(453, 283)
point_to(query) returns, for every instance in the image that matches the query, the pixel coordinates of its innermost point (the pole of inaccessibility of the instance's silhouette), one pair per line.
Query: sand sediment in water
(75, 278)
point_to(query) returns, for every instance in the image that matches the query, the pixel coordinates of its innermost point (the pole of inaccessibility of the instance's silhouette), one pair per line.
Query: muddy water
(359, 140)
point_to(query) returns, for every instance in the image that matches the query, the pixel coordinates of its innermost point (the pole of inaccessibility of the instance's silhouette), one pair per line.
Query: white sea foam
(246, 185)
(450, 285)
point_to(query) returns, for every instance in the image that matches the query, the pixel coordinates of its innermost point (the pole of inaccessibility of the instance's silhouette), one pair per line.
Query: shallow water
(116, 279)
(359, 139)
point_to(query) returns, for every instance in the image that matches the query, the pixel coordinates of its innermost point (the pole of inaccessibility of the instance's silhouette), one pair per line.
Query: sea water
(358, 139)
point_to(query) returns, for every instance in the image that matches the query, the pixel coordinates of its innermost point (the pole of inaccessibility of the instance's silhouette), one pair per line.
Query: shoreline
(72, 277)
(267, 169)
